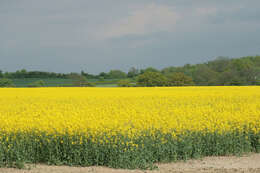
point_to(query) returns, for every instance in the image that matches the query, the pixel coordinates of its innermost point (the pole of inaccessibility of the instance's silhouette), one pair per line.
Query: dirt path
(231, 164)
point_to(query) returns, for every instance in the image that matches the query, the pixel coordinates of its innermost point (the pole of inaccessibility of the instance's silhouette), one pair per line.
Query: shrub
(124, 83)
(39, 83)
(151, 79)
(6, 83)
(80, 81)
(179, 79)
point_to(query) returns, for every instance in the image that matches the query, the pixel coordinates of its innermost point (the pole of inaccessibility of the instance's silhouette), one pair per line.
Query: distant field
(49, 82)
(106, 85)
(56, 82)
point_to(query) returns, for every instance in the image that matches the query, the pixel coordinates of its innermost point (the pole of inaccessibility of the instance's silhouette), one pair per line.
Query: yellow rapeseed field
(126, 127)
(129, 111)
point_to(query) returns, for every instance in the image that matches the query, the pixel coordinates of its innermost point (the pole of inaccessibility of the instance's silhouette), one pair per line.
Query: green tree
(221, 64)
(6, 82)
(133, 72)
(23, 73)
(117, 74)
(179, 79)
(230, 77)
(79, 80)
(87, 75)
(246, 69)
(187, 69)
(148, 69)
(169, 70)
(150, 79)
(203, 75)
(1, 74)
(103, 75)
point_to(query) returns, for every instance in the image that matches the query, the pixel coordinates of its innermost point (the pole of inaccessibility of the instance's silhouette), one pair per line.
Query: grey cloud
(61, 35)
(149, 19)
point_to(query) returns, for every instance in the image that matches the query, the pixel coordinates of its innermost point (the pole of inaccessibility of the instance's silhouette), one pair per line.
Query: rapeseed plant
(126, 127)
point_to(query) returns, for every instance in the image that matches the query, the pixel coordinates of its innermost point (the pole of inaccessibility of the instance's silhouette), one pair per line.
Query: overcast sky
(99, 35)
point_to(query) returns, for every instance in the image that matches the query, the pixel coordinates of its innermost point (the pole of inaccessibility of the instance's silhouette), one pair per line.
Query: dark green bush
(151, 79)
(124, 83)
(6, 82)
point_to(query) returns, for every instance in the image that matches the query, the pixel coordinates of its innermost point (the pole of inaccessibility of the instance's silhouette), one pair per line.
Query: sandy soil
(231, 164)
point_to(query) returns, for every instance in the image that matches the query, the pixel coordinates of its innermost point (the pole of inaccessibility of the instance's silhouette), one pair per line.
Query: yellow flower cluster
(129, 111)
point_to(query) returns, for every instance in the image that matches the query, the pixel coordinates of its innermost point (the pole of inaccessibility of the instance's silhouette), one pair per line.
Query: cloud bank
(95, 36)
(147, 20)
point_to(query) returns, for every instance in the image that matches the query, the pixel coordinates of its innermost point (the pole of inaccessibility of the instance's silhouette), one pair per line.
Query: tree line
(221, 71)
